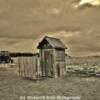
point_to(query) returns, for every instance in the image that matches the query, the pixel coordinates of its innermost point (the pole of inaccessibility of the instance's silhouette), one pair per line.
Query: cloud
(18, 45)
(92, 2)
(54, 11)
(88, 3)
(24, 23)
(29, 19)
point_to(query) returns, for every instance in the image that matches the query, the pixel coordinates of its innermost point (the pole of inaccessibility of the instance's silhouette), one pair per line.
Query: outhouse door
(48, 63)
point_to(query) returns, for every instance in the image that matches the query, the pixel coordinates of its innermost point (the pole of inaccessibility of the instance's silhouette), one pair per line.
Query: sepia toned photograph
(49, 49)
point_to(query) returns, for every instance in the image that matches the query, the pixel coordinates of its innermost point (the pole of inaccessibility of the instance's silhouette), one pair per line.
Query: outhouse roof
(54, 42)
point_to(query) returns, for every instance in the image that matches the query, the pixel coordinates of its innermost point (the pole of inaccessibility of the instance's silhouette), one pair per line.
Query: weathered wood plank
(28, 66)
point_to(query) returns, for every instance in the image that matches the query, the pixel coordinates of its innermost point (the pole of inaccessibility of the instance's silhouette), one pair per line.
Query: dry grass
(12, 86)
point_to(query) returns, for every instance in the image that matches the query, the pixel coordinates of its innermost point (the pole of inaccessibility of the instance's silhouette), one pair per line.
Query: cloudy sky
(23, 23)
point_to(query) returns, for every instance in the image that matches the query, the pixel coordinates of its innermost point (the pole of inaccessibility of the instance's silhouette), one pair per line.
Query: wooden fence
(85, 71)
(29, 67)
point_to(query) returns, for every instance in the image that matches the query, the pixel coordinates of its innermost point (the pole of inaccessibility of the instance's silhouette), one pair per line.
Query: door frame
(48, 63)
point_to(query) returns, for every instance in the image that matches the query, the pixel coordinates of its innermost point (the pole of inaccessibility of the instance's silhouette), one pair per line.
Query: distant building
(5, 57)
(52, 57)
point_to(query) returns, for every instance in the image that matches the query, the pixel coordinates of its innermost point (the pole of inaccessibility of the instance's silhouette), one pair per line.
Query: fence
(29, 67)
(85, 71)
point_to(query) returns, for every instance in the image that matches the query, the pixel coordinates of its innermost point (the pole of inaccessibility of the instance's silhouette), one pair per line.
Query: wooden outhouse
(52, 57)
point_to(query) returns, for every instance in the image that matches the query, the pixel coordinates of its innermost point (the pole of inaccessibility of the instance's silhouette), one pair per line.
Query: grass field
(12, 86)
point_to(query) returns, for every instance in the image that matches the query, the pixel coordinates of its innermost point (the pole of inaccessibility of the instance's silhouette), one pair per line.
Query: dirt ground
(12, 87)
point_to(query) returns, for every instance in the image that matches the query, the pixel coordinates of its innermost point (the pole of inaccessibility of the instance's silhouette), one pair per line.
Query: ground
(12, 86)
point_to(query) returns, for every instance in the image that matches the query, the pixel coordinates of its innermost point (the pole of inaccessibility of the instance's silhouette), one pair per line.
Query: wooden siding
(59, 63)
(52, 62)
(29, 67)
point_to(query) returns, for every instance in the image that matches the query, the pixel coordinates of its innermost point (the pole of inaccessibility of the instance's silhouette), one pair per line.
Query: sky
(23, 23)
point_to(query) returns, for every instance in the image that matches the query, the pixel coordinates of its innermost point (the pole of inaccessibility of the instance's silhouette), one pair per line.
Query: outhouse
(52, 57)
